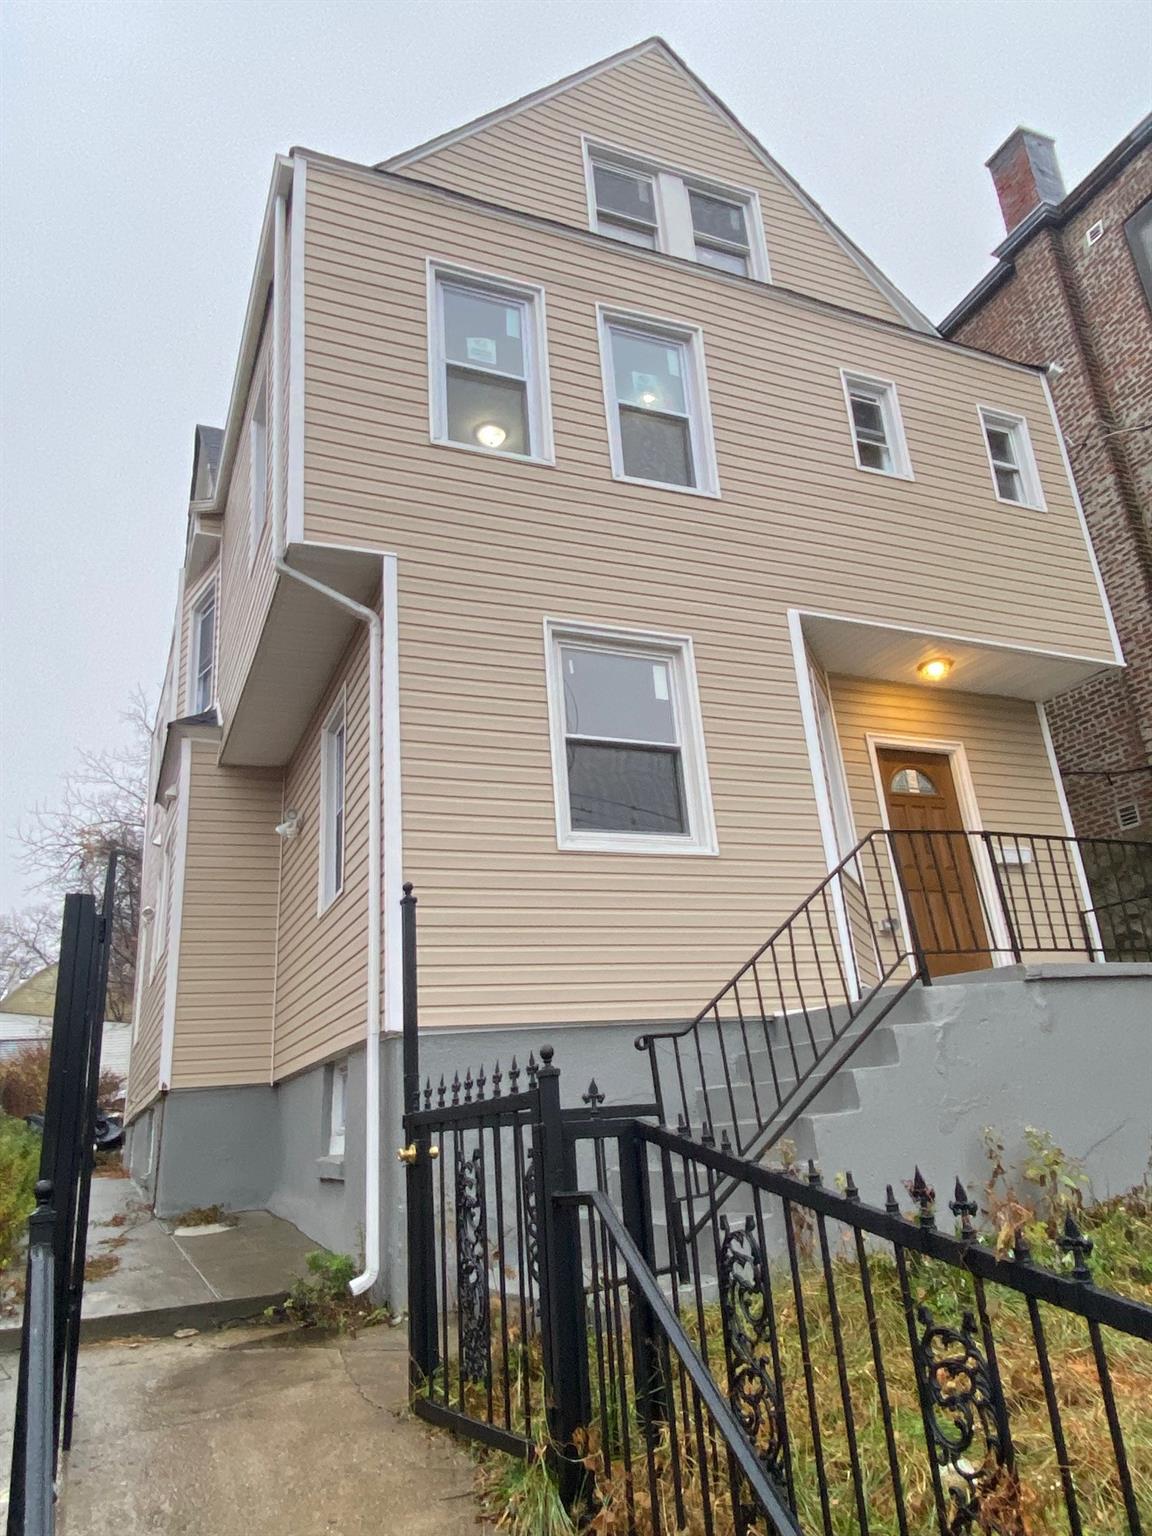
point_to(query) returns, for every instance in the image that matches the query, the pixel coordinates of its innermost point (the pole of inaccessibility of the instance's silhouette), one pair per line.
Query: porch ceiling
(302, 640)
(854, 648)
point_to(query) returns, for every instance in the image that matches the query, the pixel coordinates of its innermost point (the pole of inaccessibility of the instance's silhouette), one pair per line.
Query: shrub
(24, 1082)
(324, 1300)
(19, 1163)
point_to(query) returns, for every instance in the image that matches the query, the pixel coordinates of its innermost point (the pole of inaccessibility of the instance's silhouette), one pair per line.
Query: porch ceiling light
(935, 669)
(490, 435)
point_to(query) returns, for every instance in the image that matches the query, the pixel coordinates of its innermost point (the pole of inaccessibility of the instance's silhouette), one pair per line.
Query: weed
(324, 1300)
(522, 1497)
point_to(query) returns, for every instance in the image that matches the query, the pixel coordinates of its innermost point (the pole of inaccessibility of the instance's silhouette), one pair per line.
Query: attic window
(643, 203)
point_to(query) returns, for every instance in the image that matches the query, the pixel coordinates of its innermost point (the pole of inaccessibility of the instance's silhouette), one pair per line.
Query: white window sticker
(660, 679)
(673, 363)
(482, 349)
(512, 322)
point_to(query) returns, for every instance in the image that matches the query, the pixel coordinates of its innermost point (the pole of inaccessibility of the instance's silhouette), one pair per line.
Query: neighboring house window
(258, 467)
(333, 757)
(655, 385)
(647, 204)
(835, 780)
(1014, 472)
(337, 1101)
(877, 427)
(204, 651)
(627, 743)
(1138, 229)
(488, 367)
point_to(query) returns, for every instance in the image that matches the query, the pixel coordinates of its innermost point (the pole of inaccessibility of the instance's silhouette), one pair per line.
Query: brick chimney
(1025, 174)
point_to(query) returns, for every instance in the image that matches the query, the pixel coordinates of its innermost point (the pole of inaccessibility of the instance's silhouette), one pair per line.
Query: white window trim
(258, 469)
(671, 183)
(326, 895)
(678, 651)
(337, 1094)
(210, 589)
(538, 382)
(158, 939)
(889, 401)
(700, 429)
(1017, 426)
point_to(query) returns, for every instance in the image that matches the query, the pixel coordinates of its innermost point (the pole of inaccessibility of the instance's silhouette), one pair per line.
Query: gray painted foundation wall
(1065, 1048)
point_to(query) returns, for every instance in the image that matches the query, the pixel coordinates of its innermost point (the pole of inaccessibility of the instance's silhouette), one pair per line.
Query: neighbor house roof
(36, 995)
(1048, 216)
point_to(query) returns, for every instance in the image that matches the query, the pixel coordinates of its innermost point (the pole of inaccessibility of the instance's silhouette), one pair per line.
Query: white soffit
(855, 648)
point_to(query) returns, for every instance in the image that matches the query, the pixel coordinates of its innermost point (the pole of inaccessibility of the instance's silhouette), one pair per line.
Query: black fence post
(418, 1155)
(918, 953)
(636, 1213)
(562, 1287)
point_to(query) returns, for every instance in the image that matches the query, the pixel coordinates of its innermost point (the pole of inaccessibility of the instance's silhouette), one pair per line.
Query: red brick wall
(1083, 306)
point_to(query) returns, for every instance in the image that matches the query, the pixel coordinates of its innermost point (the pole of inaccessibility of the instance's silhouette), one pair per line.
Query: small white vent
(1094, 232)
(1128, 815)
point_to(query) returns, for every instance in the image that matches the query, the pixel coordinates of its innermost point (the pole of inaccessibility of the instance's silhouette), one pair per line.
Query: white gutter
(366, 1280)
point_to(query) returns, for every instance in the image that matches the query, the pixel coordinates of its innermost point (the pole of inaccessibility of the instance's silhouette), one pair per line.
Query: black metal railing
(58, 1229)
(904, 907)
(799, 1361)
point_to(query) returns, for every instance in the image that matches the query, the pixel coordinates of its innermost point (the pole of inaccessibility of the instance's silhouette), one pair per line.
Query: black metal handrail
(901, 906)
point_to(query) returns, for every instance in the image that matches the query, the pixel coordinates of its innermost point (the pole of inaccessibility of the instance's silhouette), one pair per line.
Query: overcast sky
(137, 145)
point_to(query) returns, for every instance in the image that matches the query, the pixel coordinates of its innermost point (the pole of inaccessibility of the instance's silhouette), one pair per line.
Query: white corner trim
(175, 922)
(824, 817)
(701, 433)
(1070, 831)
(701, 840)
(537, 379)
(1079, 505)
(1028, 468)
(893, 423)
(294, 512)
(276, 405)
(392, 791)
(970, 814)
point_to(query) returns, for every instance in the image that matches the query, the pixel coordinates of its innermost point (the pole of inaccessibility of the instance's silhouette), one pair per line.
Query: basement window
(627, 743)
(337, 1103)
(1010, 458)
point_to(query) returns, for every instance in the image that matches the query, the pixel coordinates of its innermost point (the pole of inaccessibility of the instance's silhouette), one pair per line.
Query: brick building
(1072, 288)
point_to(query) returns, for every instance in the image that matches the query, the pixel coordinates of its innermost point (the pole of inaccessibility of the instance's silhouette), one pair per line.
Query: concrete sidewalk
(258, 1432)
(162, 1281)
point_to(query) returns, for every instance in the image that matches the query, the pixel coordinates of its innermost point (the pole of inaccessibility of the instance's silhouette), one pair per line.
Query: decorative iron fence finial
(1073, 1241)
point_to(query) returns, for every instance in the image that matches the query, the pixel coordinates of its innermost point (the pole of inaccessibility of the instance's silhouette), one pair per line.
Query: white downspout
(365, 1281)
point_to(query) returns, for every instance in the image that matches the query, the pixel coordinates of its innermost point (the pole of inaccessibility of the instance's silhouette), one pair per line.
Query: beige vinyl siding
(534, 162)
(320, 973)
(246, 585)
(512, 930)
(227, 959)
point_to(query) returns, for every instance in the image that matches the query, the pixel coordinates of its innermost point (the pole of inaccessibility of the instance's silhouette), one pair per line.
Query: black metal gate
(58, 1230)
(696, 1342)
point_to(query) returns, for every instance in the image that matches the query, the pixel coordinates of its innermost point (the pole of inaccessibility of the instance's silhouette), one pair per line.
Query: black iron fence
(699, 1343)
(903, 907)
(58, 1230)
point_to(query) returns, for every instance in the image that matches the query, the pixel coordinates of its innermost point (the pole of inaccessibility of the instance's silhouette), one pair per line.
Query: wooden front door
(934, 857)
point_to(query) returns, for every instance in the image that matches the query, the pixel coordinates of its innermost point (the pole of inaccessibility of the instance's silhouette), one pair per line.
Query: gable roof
(900, 302)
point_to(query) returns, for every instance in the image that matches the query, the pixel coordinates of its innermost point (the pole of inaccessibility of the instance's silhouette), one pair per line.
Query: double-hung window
(644, 203)
(1010, 457)
(487, 363)
(656, 396)
(333, 760)
(626, 205)
(203, 668)
(258, 468)
(877, 429)
(627, 744)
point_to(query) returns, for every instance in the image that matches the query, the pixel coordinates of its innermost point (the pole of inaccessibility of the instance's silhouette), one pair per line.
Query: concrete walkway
(162, 1280)
(257, 1432)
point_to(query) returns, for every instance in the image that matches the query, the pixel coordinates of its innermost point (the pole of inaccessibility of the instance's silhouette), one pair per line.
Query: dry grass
(1028, 1503)
(100, 1265)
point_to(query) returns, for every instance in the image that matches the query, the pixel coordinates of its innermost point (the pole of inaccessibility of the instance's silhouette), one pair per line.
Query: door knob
(408, 1154)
